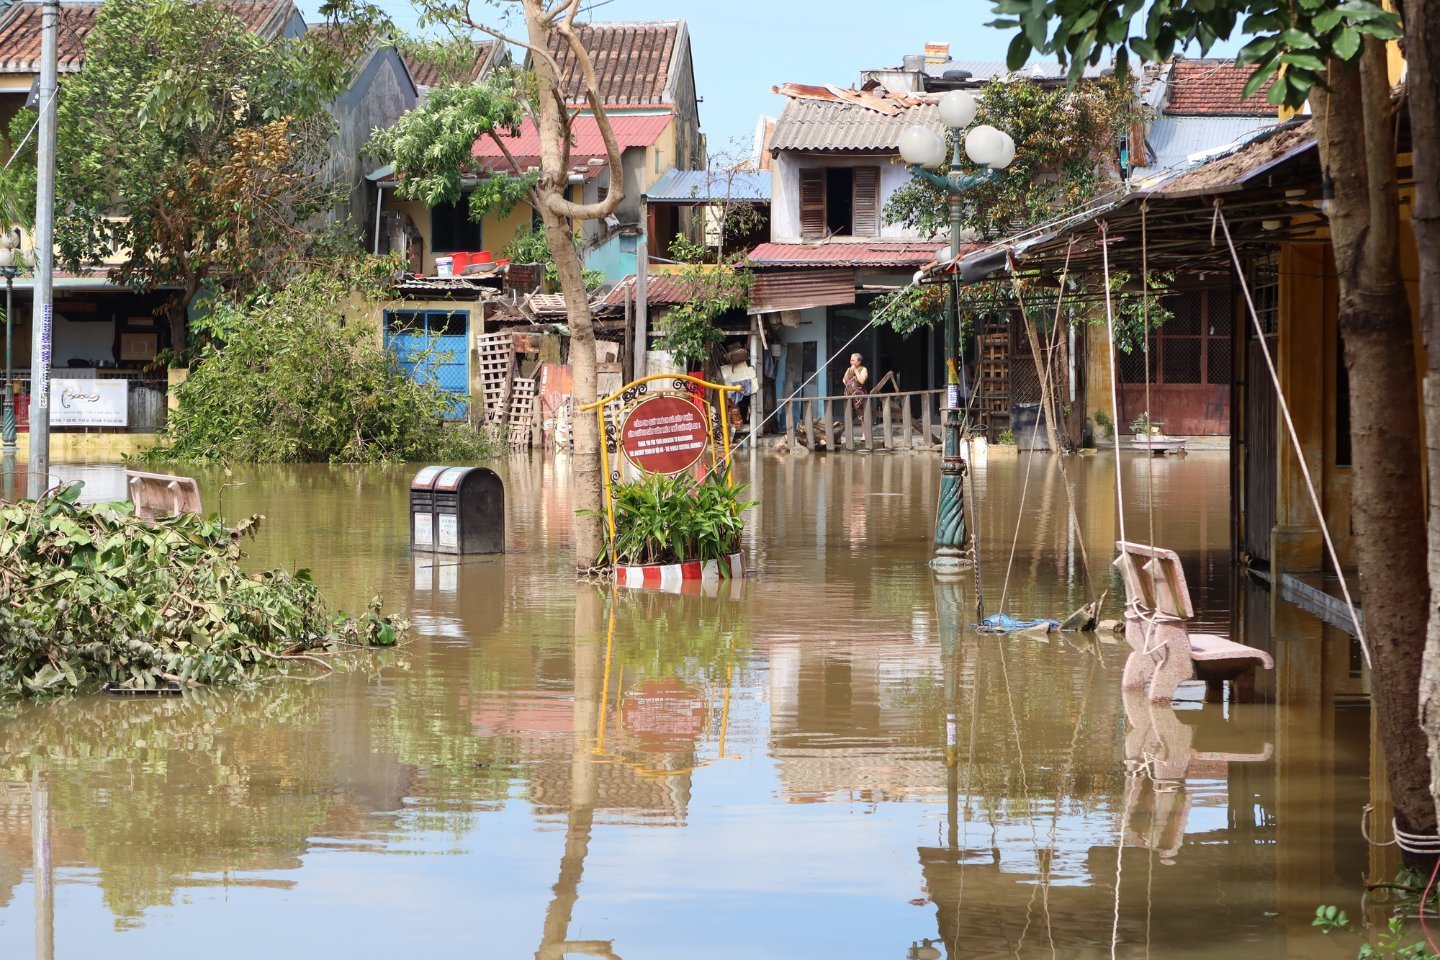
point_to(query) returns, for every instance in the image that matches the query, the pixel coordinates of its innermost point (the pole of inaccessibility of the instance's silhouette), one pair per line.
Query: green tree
(1062, 138)
(1333, 55)
(193, 149)
(294, 383)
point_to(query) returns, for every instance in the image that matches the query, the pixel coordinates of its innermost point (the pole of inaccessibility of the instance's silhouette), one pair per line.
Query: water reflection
(823, 760)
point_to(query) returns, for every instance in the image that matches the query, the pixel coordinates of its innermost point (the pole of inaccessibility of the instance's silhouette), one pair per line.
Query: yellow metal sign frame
(611, 411)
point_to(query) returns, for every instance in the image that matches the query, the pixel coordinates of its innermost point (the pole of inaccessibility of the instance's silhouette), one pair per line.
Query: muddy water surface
(825, 760)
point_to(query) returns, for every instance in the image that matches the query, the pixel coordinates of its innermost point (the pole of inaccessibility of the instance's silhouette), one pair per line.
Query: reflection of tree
(589, 661)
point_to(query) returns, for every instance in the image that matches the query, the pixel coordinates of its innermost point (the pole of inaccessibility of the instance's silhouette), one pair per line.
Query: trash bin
(469, 504)
(422, 508)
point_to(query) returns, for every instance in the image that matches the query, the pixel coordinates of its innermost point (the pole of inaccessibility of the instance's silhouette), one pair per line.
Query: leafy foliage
(91, 594)
(1389, 944)
(196, 149)
(688, 329)
(1061, 139)
(532, 246)
(661, 519)
(1134, 309)
(1292, 40)
(910, 308)
(430, 147)
(293, 382)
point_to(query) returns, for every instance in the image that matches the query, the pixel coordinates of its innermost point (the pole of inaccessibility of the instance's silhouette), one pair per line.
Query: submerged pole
(42, 316)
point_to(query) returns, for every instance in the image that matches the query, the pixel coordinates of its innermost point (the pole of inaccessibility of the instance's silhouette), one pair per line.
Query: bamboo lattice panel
(522, 411)
(497, 362)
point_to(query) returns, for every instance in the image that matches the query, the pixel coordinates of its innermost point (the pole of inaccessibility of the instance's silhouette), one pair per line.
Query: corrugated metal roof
(660, 290)
(698, 186)
(1179, 142)
(880, 253)
(836, 125)
(799, 289)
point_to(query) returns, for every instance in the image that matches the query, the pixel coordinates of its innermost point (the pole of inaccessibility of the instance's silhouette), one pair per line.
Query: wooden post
(847, 434)
(867, 417)
(791, 406)
(887, 441)
(925, 438)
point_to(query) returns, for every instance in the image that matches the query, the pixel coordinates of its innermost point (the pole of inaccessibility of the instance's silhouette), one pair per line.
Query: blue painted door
(434, 347)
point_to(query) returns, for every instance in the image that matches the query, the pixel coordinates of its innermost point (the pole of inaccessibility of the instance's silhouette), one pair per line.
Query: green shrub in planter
(662, 519)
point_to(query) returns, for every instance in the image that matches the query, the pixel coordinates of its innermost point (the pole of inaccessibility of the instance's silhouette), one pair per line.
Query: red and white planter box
(665, 575)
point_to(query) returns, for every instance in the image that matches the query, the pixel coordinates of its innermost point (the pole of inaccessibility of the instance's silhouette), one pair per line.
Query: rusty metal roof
(874, 253)
(841, 125)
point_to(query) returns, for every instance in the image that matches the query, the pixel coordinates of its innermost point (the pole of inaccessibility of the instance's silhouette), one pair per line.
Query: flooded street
(824, 760)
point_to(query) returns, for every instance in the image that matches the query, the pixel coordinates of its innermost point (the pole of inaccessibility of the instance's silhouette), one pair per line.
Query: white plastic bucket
(442, 267)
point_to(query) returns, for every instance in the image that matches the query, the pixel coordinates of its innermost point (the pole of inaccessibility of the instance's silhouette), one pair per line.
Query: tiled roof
(586, 142)
(632, 61)
(1214, 88)
(429, 75)
(700, 186)
(809, 124)
(874, 253)
(20, 30)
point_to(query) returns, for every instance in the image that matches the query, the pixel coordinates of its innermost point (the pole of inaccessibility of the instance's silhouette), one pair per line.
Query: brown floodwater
(823, 760)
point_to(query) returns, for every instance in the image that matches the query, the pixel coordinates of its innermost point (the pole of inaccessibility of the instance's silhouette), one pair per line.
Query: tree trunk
(179, 327)
(585, 451)
(1422, 47)
(556, 213)
(1355, 119)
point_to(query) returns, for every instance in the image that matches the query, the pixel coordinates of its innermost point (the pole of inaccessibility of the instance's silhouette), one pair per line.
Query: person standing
(856, 380)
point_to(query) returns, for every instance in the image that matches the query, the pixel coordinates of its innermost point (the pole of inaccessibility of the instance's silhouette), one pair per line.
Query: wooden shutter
(812, 203)
(867, 202)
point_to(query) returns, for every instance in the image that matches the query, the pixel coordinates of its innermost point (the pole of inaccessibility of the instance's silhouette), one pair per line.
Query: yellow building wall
(495, 232)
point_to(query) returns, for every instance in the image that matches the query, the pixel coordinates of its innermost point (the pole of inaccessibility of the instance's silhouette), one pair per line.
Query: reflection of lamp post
(9, 253)
(992, 150)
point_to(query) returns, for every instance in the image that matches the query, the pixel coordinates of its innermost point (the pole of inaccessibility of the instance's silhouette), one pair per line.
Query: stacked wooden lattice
(497, 361)
(522, 411)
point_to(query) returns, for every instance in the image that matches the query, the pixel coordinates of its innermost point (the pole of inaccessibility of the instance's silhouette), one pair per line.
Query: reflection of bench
(158, 495)
(1157, 604)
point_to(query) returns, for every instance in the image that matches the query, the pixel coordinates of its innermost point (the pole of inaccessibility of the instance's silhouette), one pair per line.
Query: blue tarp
(1000, 622)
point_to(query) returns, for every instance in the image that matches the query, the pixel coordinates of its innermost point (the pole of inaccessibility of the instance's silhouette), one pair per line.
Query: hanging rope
(1114, 390)
(1294, 435)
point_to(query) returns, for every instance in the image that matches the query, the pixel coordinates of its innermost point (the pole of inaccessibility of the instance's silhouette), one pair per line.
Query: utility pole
(42, 319)
(642, 295)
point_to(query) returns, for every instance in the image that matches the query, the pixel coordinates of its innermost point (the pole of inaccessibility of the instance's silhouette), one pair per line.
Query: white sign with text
(89, 403)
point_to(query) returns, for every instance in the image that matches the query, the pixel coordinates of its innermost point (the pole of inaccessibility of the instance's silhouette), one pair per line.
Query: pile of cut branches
(90, 594)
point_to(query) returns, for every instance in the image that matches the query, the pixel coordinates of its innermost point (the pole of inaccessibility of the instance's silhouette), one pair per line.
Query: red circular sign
(664, 434)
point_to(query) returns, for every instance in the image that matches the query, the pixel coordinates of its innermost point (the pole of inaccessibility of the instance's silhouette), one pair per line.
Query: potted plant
(671, 528)
(1144, 429)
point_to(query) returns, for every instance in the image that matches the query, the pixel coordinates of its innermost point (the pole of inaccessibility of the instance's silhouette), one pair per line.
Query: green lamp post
(992, 151)
(12, 261)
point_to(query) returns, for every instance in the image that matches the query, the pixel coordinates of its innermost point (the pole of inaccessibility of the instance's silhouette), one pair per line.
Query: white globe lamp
(1007, 152)
(984, 145)
(957, 109)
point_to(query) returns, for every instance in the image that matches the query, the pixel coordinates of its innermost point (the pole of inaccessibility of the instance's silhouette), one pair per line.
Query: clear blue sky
(744, 47)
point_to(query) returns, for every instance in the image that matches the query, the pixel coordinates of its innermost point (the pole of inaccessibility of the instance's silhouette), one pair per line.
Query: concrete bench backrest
(158, 495)
(1154, 582)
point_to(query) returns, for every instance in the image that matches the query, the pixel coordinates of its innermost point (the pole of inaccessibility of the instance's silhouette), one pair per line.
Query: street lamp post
(992, 150)
(9, 255)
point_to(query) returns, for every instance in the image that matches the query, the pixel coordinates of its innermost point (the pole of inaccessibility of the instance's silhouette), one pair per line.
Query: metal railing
(147, 407)
(830, 422)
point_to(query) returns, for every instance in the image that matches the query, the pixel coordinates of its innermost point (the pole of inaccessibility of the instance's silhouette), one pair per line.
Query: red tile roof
(430, 75)
(586, 142)
(632, 60)
(877, 253)
(1214, 88)
(20, 30)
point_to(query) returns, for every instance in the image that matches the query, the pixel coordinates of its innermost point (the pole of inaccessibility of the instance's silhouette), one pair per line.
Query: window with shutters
(840, 202)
